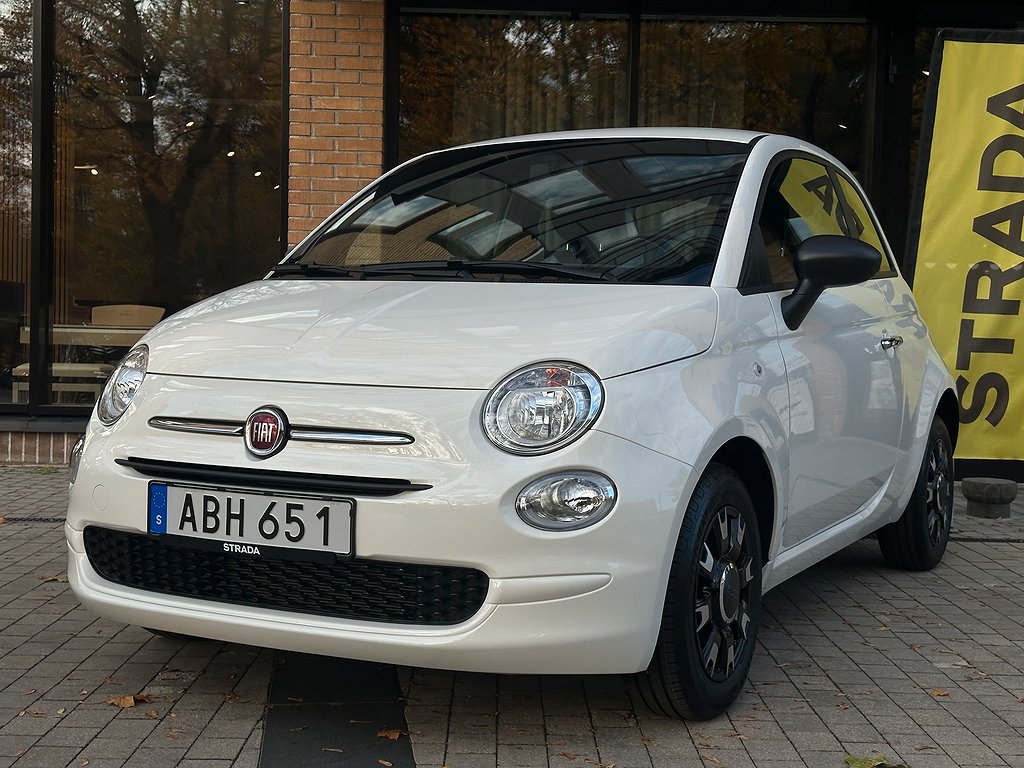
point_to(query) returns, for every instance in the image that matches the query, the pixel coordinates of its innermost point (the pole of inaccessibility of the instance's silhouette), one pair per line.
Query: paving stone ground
(925, 670)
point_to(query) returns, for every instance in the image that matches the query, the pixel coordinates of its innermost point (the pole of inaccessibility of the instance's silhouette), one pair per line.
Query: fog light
(566, 501)
(75, 460)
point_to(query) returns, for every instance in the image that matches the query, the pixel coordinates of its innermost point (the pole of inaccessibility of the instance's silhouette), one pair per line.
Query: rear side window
(861, 224)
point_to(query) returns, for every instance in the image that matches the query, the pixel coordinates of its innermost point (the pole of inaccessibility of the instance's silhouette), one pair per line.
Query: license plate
(247, 522)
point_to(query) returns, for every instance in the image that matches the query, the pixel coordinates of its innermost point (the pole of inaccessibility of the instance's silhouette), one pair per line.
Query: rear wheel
(917, 541)
(712, 607)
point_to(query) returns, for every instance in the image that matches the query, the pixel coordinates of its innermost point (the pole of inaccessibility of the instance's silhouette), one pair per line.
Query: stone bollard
(988, 496)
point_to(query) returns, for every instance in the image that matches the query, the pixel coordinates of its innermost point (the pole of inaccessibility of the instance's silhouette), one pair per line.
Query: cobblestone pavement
(925, 670)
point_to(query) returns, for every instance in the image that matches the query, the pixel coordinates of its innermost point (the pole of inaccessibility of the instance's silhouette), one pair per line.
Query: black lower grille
(367, 590)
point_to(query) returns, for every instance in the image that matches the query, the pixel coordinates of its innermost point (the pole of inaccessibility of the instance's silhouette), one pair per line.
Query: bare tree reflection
(169, 145)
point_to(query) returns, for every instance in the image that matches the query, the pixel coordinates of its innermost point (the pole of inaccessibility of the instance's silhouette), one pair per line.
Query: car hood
(462, 335)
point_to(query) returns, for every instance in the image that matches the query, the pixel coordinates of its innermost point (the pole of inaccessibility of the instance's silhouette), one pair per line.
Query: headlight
(542, 408)
(122, 385)
(566, 501)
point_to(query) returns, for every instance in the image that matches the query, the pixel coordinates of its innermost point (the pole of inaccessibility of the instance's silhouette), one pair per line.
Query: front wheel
(917, 541)
(712, 606)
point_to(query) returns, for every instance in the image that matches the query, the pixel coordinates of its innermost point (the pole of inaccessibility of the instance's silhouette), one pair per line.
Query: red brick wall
(336, 111)
(36, 447)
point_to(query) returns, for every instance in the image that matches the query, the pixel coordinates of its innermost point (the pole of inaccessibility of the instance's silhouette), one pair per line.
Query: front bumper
(586, 601)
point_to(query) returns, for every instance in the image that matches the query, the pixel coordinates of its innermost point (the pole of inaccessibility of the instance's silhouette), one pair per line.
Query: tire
(917, 541)
(712, 606)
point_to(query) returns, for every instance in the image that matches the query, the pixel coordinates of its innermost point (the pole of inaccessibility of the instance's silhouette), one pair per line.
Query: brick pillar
(336, 110)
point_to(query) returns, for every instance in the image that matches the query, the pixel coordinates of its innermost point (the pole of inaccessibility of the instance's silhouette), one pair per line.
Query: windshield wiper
(460, 269)
(536, 268)
(312, 269)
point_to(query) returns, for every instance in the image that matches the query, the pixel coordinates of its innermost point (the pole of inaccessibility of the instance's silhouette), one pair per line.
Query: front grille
(256, 477)
(367, 590)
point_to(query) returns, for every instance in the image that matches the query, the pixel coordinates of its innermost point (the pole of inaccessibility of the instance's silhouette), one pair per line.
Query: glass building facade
(154, 152)
(156, 170)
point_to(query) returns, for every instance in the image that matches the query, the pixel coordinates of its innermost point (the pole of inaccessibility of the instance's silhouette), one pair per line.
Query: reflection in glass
(801, 79)
(564, 210)
(168, 161)
(15, 195)
(924, 45)
(467, 78)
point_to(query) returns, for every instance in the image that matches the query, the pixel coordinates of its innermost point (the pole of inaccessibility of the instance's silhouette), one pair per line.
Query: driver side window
(799, 202)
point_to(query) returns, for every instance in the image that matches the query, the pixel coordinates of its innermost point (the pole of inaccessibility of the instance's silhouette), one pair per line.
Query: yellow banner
(970, 254)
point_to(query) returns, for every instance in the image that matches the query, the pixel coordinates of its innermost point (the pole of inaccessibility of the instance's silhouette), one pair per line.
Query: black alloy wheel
(712, 604)
(722, 601)
(939, 491)
(917, 541)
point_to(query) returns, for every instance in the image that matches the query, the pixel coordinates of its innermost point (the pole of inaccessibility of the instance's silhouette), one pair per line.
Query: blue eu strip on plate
(157, 508)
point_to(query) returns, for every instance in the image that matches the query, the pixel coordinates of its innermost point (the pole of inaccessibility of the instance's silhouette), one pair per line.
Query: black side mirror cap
(827, 261)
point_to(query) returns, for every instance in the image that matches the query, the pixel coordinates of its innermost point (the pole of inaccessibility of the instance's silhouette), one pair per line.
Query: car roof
(668, 132)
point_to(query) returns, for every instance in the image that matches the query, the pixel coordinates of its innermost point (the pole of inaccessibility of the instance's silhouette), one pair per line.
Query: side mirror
(826, 261)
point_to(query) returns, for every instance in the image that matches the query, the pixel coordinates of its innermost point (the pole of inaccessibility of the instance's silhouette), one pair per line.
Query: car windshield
(636, 211)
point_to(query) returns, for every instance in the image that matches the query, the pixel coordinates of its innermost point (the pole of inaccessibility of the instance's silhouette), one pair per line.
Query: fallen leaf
(568, 756)
(3, 520)
(85, 761)
(884, 629)
(83, 692)
(46, 470)
(647, 741)
(939, 692)
(34, 713)
(30, 691)
(298, 728)
(842, 705)
(359, 722)
(923, 747)
(332, 749)
(389, 733)
(230, 697)
(61, 711)
(108, 680)
(153, 714)
(735, 735)
(386, 763)
(296, 699)
(61, 577)
(128, 700)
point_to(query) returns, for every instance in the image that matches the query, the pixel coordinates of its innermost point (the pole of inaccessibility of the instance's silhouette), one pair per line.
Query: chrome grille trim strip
(327, 435)
(199, 426)
(295, 432)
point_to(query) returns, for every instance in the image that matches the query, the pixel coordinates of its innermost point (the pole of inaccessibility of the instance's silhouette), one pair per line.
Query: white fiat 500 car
(566, 403)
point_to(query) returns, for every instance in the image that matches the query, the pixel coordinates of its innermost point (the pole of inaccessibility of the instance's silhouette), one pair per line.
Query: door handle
(891, 342)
